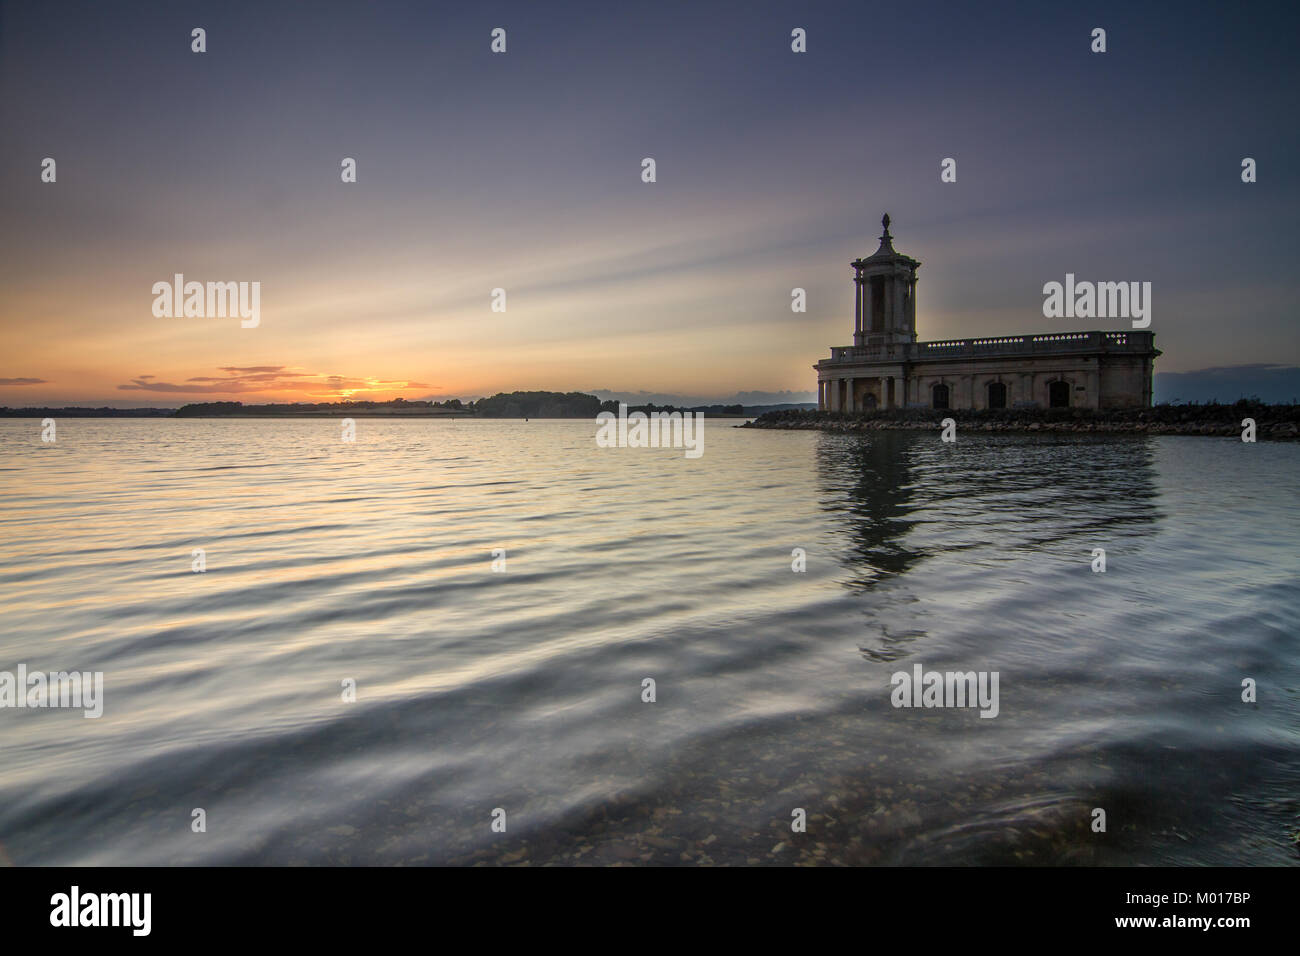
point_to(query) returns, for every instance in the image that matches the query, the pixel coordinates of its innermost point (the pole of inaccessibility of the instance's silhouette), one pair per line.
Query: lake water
(521, 690)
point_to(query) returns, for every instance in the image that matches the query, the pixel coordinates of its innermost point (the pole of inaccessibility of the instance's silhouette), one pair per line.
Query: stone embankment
(1278, 422)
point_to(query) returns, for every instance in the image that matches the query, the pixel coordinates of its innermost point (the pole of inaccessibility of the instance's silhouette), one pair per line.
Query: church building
(886, 367)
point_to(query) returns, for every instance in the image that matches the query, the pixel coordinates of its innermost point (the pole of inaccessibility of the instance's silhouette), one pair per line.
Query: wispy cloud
(272, 379)
(23, 381)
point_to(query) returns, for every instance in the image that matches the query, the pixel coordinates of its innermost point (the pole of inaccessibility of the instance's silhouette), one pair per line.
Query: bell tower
(885, 311)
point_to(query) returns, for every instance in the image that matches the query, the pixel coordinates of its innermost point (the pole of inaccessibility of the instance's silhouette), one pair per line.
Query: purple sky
(521, 171)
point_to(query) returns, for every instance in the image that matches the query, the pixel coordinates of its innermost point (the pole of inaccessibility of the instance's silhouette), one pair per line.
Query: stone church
(886, 367)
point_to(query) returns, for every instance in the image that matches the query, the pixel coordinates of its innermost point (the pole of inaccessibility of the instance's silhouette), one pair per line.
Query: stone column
(883, 382)
(821, 395)
(857, 310)
(850, 397)
(867, 316)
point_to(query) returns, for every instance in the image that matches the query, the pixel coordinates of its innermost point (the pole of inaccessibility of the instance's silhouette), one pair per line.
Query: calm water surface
(522, 690)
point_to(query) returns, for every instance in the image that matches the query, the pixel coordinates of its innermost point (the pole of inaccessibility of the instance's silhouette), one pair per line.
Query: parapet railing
(1002, 345)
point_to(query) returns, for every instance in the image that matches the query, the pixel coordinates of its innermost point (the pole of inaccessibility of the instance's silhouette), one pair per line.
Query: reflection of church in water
(886, 367)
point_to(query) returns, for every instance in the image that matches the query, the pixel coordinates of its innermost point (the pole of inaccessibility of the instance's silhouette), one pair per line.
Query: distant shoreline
(301, 416)
(503, 405)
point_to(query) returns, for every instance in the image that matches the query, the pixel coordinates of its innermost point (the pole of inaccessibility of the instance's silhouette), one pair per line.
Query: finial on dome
(886, 241)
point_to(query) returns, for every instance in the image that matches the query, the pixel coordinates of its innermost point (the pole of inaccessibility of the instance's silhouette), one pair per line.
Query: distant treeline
(76, 412)
(398, 406)
(575, 405)
(537, 405)
(501, 405)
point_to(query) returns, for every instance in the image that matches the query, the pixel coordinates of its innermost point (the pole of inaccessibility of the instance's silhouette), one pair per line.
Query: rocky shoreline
(1272, 422)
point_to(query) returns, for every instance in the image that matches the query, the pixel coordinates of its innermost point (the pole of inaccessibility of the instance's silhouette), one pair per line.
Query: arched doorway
(1058, 395)
(940, 395)
(997, 395)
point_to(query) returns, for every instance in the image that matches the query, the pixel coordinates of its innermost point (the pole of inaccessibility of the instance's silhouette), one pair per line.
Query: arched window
(1058, 394)
(940, 393)
(997, 395)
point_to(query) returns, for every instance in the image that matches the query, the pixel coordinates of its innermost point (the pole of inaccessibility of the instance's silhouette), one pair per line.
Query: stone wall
(1094, 381)
(1272, 421)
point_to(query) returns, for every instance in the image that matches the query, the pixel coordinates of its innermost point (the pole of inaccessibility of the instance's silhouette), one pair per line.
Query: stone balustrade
(1008, 345)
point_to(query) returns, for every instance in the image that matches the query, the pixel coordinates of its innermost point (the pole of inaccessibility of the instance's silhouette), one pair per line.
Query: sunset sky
(523, 171)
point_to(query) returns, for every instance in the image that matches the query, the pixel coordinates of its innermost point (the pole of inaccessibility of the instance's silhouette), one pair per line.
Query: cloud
(270, 379)
(23, 381)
